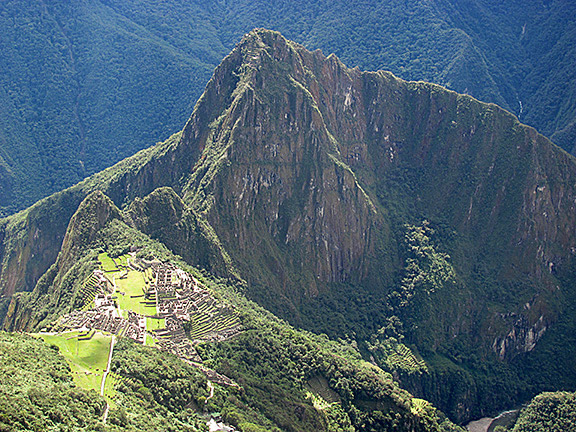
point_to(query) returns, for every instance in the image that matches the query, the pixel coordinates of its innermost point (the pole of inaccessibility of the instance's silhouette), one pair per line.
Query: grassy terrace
(210, 319)
(112, 381)
(132, 284)
(87, 358)
(107, 263)
(88, 292)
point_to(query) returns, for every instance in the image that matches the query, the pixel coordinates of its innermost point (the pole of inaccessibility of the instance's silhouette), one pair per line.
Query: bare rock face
(296, 153)
(272, 180)
(521, 338)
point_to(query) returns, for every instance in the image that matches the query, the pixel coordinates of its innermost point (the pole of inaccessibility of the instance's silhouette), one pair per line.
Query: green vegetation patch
(155, 323)
(113, 381)
(130, 288)
(130, 292)
(107, 263)
(393, 356)
(283, 371)
(551, 412)
(37, 392)
(155, 390)
(152, 391)
(87, 358)
(149, 340)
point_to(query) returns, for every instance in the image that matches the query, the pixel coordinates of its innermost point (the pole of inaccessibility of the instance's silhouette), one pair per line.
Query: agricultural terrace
(87, 355)
(130, 291)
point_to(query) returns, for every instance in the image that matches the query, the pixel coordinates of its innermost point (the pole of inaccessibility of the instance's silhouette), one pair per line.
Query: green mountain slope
(87, 84)
(548, 411)
(277, 378)
(400, 215)
(38, 392)
(85, 87)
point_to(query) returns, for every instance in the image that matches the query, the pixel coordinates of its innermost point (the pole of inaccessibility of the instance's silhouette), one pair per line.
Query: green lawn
(122, 260)
(112, 381)
(87, 359)
(149, 340)
(155, 324)
(134, 284)
(106, 262)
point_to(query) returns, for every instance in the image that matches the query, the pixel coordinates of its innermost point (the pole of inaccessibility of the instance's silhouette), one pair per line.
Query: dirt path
(105, 417)
(105, 375)
(112, 342)
(211, 395)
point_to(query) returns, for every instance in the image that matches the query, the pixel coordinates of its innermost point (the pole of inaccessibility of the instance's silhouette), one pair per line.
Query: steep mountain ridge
(373, 125)
(281, 181)
(304, 177)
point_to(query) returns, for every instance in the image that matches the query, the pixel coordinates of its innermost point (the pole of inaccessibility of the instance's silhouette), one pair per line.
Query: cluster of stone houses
(177, 295)
(104, 317)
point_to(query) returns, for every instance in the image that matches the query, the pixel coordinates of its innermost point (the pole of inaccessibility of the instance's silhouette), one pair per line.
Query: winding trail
(211, 395)
(105, 375)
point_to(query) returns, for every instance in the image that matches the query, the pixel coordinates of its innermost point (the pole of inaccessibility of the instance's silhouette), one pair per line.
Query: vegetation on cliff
(37, 392)
(551, 412)
(288, 380)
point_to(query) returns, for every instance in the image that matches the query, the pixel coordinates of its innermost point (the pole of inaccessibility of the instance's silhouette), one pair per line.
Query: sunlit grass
(155, 324)
(87, 358)
(106, 262)
(132, 285)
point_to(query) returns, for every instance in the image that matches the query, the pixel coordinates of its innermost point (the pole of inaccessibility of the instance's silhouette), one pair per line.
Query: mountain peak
(260, 118)
(261, 37)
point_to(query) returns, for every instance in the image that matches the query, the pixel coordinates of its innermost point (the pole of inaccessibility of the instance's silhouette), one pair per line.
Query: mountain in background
(434, 232)
(86, 84)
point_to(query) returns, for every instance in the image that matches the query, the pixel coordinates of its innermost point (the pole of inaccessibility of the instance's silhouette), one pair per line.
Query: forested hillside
(550, 412)
(84, 84)
(265, 376)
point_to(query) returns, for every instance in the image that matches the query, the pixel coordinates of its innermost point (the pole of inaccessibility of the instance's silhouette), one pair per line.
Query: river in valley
(488, 424)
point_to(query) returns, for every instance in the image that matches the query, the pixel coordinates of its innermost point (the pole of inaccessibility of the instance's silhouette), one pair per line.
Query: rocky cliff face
(299, 160)
(271, 175)
(51, 290)
(163, 216)
(292, 152)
